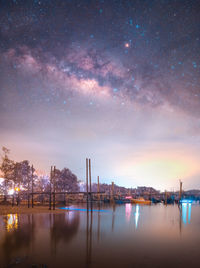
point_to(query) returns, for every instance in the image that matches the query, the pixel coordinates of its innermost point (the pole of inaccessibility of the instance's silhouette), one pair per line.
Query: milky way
(119, 78)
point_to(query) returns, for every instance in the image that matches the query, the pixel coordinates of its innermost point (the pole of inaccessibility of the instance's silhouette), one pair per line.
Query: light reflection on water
(186, 212)
(107, 236)
(128, 209)
(11, 222)
(137, 209)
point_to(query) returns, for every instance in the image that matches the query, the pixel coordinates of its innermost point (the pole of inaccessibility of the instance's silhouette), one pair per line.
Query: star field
(123, 73)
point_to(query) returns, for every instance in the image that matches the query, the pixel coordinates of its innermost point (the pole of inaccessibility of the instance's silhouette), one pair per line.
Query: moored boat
(141, 201)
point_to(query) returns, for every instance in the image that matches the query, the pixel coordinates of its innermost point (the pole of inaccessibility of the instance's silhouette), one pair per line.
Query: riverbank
(8, 209)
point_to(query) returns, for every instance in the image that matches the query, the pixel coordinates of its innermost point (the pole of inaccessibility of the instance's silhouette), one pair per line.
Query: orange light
(17, 189)
(127, 45)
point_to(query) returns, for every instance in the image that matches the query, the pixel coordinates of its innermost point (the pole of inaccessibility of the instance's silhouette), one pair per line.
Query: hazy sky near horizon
(116, 81)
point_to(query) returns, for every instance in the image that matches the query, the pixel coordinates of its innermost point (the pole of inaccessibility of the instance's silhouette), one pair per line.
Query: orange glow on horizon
(159, 169)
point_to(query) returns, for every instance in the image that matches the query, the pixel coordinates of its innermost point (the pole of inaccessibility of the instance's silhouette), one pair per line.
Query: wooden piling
(54, 196)
(90, 179)
(112, 192)
(32, 184)
(50, 188)
(87, 178)
(181, 190)
(165, 197)
(90, 176)
(98, 188)
(28, 192)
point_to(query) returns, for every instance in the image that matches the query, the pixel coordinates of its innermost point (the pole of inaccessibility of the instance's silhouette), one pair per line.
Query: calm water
(120, 236)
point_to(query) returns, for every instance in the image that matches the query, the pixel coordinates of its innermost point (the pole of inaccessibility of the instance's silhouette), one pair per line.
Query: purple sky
(116, 81)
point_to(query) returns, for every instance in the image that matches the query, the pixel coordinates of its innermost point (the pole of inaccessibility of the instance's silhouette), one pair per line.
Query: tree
(65, 180)
(7, 168)
(22, 174)
(42, 183)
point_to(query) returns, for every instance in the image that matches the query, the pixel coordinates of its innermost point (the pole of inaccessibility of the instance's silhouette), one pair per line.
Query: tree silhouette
(7, 169)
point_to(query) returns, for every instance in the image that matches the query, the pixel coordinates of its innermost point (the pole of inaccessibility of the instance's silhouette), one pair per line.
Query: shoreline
(22, 209)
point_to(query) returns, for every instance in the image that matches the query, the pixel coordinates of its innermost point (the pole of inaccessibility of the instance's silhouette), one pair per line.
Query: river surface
(109, 236)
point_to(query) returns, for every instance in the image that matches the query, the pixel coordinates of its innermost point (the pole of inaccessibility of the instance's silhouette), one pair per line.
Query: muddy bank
(8, 209)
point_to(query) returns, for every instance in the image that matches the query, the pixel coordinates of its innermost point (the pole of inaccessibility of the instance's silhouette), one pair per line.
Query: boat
(141, 201)
(155, 200)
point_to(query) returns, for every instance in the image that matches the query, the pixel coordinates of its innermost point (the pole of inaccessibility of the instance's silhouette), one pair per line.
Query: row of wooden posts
(52, 193)
(52, 185)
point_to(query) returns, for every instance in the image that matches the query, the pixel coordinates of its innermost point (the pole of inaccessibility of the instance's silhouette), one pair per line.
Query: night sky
(116, 81)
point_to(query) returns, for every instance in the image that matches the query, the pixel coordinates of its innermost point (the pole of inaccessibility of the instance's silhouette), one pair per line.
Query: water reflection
(11, 222)
(17, 238)
(63, 226)
(84, 238)
(137, 214)
(189, 212)
(89, 231)
(113, 217)
(128, 209)
(186, 212)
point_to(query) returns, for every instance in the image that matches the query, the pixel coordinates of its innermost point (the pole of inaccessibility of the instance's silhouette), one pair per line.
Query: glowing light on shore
(17, 189)
(11, 191)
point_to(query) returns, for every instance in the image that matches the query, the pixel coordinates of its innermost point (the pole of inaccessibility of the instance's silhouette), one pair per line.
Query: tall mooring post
(181, 190)
(32, 184)
(112, 192)
(54, 187)
(28, 192)
(50, 188)
(90, 179)
(87, 178)
(98, 188)
(165, 197)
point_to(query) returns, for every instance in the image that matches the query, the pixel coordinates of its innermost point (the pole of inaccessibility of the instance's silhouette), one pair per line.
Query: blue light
(184, 213)
(183, 201)
(189, 212)
(83, 209)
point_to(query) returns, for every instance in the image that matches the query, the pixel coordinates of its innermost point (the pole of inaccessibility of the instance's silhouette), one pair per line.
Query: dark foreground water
(120, 236)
